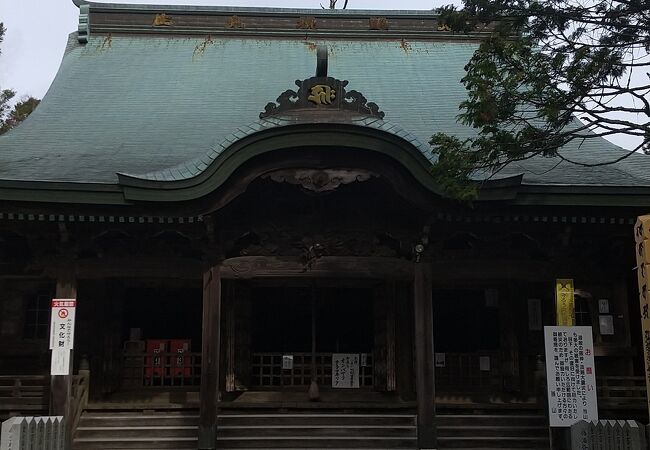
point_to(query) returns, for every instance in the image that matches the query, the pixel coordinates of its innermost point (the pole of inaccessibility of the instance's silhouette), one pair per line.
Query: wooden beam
(61, 385)
(248, 267)
(424, 366)
(210, 358)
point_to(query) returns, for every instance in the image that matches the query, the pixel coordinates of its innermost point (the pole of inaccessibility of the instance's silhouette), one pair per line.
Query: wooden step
(493, 430)
(179, 430)
(316, 419)
(142, 420)
(337, 442)
(160, 430)
(492, 442)
(137, 431)
(491, 419)
(148, 442)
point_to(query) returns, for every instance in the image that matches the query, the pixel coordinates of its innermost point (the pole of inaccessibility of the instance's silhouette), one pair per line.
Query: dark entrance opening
(465, 321)
(467, 341)
(281, 326)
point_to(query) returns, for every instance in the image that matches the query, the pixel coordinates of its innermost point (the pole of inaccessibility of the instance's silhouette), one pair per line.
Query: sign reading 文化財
(345, 370)
(62, 334)
(571, 375)
(62, 323)
(565, 302)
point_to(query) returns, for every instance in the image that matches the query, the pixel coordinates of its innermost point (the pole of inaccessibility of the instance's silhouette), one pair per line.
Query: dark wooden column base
(425, 386)
(210, 358)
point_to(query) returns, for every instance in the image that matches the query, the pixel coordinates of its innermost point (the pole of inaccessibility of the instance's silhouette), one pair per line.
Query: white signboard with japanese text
(60, 362)
(571, 375)
(62, 323)
(345, 370)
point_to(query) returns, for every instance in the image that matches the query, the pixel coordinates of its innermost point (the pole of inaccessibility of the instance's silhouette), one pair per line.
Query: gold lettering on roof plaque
(378, 23)
(444, 27)
(322, 94)
(162, 20)
(306, 23)
(234, 22)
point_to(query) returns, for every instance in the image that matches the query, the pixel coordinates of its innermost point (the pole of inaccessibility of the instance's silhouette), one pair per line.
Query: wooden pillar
(210, 357)
(61, 385)
(424, 365)
(404, 341)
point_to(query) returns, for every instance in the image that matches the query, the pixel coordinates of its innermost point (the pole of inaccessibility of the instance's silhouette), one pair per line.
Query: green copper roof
(162, 107)
(143, 104)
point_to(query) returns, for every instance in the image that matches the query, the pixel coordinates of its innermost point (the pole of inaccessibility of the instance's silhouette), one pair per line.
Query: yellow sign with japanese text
(565, 303)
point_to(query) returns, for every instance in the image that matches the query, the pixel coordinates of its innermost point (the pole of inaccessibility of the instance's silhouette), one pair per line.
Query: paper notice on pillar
(570, 375)
(287, 362)
(345, 370)
(62, 323)
(606, 323)
(60, 362)
(440, 359)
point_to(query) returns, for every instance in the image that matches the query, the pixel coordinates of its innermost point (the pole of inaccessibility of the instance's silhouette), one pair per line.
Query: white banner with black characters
(571, 375)
(345, 370)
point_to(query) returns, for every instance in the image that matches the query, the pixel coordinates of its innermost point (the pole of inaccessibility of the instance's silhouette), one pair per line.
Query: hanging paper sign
(62, 324)
(603, 306)
(571, 375)
(606, 324)
(564, 297)
(345, 370)
(287, 362)
(60, 362)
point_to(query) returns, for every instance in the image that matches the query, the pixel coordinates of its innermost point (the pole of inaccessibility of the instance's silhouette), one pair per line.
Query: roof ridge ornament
(324, 94)
(321, 93)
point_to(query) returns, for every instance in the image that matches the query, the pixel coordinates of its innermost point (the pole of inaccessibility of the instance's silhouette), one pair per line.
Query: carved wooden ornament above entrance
(320, 180)
(325, 94)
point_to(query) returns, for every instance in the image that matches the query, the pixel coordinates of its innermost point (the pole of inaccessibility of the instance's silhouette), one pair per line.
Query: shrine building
(240, 200)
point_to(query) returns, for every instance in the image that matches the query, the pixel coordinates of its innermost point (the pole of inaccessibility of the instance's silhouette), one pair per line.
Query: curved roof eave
(201, 176)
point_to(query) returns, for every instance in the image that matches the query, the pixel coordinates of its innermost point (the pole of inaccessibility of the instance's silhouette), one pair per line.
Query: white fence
(33, 433)
(608, 435)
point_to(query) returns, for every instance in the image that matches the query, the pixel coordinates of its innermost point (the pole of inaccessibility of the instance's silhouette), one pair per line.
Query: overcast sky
(37, 31)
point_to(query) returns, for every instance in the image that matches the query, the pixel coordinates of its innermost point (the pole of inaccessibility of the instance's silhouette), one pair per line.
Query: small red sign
(63, 313)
